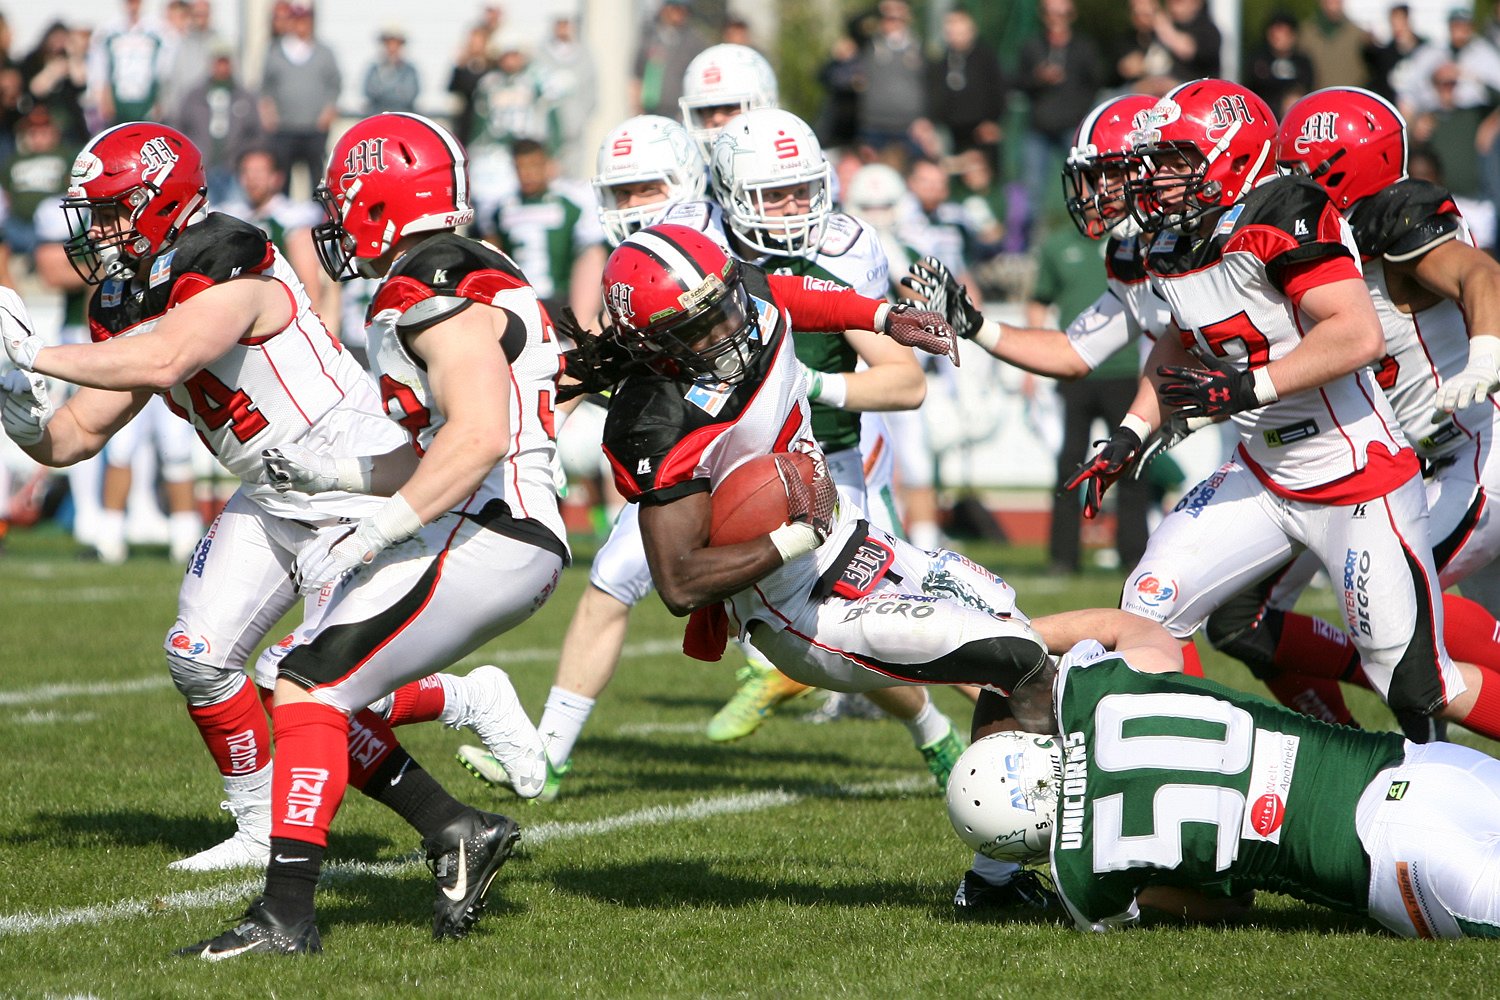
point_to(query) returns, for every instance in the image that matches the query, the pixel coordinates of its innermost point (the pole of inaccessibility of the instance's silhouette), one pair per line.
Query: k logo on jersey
(1319, 127)
(618, 300)
(365, 157)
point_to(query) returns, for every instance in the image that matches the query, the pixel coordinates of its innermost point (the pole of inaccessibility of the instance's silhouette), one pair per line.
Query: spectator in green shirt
(37, 171)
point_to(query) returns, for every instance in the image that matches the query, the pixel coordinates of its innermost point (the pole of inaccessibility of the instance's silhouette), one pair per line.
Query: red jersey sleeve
(819, 306)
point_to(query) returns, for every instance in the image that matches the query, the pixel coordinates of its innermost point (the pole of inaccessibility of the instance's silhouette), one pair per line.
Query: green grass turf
(803, 861)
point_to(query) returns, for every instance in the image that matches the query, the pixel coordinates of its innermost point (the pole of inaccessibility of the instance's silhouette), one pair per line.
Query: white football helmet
(646, 148)
(875, 194)
(763, 150)
(724, 76)
(1003, 795)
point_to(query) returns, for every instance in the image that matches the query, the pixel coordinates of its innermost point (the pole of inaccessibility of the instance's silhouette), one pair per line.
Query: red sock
(1484, 717)
(267, 698)
(1318, 697)
(1313, 647)
(235, 731)
(419, 701)
(311, 770)
(370, 743)
(1469, 632)
(1191, 665)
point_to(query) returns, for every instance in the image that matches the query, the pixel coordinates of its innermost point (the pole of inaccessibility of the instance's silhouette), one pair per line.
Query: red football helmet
(389, 176)
(132, 190)
(1099, 164)
(679, 306)
(1224, 133)
(1349, 140)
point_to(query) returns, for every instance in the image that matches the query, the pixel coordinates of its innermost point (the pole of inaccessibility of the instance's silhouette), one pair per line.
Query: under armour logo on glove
(920, 328)
(1213, 392)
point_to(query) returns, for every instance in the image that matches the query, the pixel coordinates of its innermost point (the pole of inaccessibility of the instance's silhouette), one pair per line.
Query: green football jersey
(1175, 780)
(850, 256)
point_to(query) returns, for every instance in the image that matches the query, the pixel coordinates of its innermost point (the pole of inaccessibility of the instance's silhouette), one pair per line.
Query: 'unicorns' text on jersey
(445, 274)
(296, 384)
(1235, 294)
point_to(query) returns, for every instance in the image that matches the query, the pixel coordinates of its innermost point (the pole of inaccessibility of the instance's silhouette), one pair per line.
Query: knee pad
(196, 672)
(1240, 630)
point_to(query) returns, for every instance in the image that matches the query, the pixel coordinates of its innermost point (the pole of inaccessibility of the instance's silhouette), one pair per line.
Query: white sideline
(535, 654)
(541, 833)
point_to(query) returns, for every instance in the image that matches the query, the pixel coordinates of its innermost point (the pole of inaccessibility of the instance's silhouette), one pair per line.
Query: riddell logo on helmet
(1319, 127)
(618, 299)
(365, 157)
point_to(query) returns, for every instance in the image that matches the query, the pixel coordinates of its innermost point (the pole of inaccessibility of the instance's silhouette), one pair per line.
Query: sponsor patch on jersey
(1271, 767)
(769, 314)
(1232, 216)
(1165, 242)
(111, 293)
(710, 398)
(1277, 437)
(1397, 791)
(161, 268)
(1155, 591)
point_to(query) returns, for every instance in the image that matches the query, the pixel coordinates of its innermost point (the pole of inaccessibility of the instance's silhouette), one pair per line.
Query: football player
(1177, 794)
(1438, 299)
(723, 81)
(203, 310)
(1276, 330)
(646, 165)
(464, 352)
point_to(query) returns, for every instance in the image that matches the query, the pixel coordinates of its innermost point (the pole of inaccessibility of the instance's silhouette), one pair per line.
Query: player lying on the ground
(1179, 794)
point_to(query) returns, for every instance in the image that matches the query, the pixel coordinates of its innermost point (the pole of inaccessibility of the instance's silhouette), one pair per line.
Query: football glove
(331, 558)
(1214, 392)
(26, 407)
(810, 507)
(1171, 433)
(21, 344)
(294, 468)
(1101, 471)
(931, 279)
(1478, 379)
(920, 328)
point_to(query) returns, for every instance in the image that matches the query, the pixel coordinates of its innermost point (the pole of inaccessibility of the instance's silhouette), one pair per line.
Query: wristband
(882, 313)
(1485, 348)
(989, 333)
(395, 521)
(1265, 390)
(1136, 425)
(828, 388)
(795, 539)
(354, 475)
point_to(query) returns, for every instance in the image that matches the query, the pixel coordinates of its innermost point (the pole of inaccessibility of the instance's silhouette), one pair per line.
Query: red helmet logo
(365, 157)
(617, 299)
(1229, 109)
(1322, 126)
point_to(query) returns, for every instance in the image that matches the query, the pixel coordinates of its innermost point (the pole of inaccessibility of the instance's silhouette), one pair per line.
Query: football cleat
(482, 764)
(762, 690)
(1025, 889)
(258, 933)
(465, 858)
(250, 847)
(941, 754)
(494, 713)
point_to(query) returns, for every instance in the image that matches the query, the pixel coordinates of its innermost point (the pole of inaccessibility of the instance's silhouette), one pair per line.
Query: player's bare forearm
(688, 574)
(1346, 336)
(1041, 352)
(1467, 275)
(1193, 905)
(1147, 645)
(893, 380)
(391, 471)
(83, 425)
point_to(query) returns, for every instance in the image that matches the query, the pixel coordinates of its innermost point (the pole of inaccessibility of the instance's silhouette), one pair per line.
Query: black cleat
(465, 858)
(259, 933)
(977, 896)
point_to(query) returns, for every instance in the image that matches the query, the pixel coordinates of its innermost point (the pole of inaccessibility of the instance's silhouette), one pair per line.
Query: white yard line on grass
(541, 833)
(502, 657)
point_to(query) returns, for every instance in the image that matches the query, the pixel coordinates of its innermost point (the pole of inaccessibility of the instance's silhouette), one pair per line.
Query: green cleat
(941, 754)
(762, 688)
(482, 764)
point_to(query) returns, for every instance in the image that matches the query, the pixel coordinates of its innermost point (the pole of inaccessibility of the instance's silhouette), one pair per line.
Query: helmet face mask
(1100, 165)
(131, 192)
(1003, 795)
(642, 150)
(758, 159)
(712, 345)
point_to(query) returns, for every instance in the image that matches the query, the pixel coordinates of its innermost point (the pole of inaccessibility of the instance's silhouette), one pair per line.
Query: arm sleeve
(818, 307)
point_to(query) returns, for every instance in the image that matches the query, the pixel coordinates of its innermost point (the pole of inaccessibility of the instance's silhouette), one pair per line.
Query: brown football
(751, 501)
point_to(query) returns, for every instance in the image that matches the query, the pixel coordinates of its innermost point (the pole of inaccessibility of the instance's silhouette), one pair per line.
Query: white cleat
(250, 847)
(494, 713)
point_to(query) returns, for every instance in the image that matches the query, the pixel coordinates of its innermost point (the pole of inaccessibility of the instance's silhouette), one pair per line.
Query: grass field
(803, 861)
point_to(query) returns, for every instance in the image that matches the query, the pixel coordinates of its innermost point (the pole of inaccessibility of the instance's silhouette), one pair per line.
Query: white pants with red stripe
(1464, 497)
(1230, 532)
(944, 621)
(420, 606)
(1431, 828)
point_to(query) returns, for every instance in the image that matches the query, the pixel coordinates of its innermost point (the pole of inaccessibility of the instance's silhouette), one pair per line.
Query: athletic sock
(1484, 717)
(1470, 632)
(402, 786)
(311, 770)
(292, 878)
(109, 538)
(1318, 697)
(235, 731)
(422, 701)
(563, 718)
(370, 743)
(992, 871)
(1191, 664)
(927, 726)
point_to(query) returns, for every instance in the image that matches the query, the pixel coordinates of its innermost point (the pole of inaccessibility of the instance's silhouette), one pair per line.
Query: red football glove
(921, 328)
(1106, 466)
(813, 504)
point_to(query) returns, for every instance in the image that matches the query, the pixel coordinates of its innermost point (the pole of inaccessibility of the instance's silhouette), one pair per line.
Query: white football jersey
(294, 385)
(1337, 443)
(422, 288)
(1128, 311)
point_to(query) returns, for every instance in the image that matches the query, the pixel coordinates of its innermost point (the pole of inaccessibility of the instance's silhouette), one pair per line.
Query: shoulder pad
(1125, 260)
(447, 266)
(1404, 220)
(1287, 220)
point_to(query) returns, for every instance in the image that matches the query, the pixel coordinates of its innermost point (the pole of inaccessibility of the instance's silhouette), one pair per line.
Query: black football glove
(1173, 431)
(930, 279)
(1101, 471)
(1212, 392)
